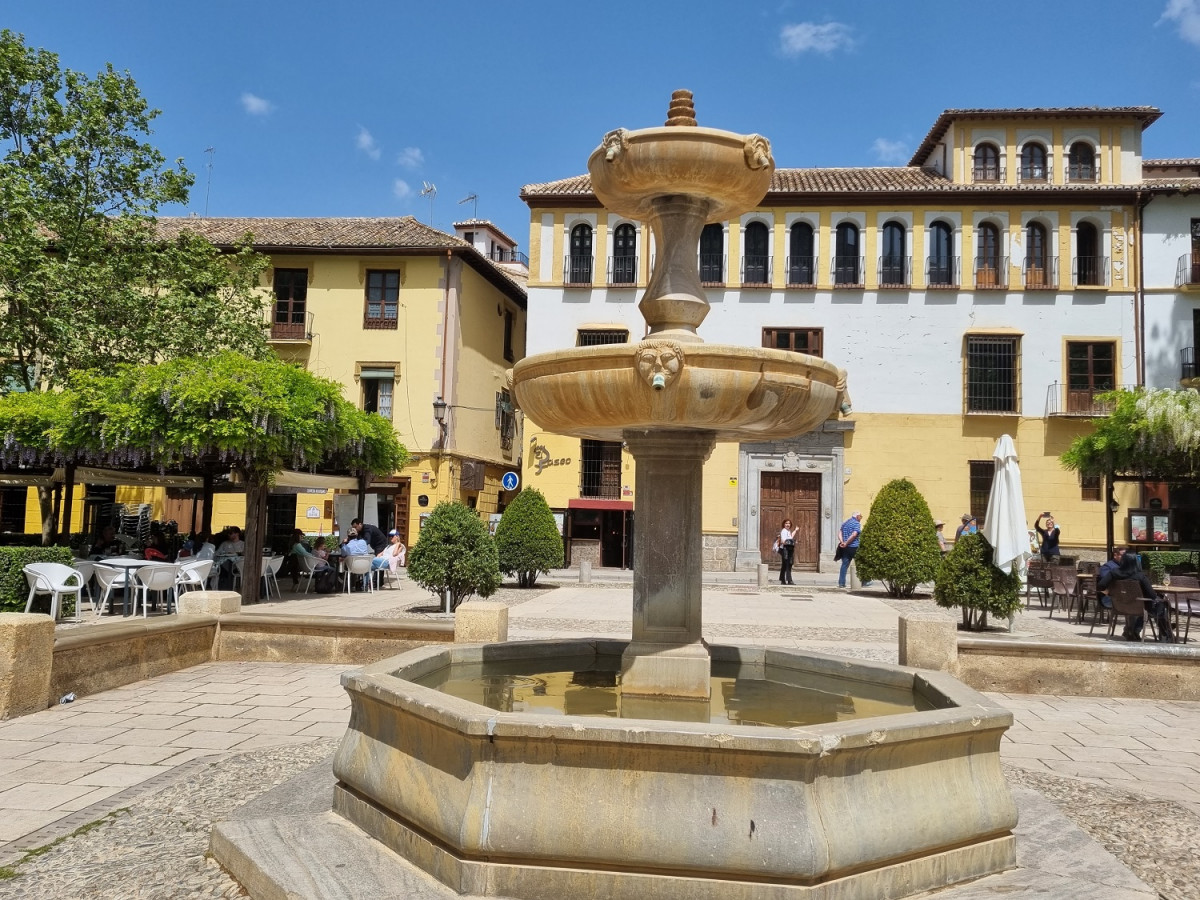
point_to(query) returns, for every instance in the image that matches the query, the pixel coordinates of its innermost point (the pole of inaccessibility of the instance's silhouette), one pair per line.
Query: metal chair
(1187, 605)
(357, 565)
(160, 578)
(1038, 579)
(54, 579)
(1064, 582)
(1127, 601)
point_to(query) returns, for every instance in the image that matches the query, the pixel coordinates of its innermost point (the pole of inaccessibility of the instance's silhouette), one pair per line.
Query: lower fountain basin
(537, 806)
(740, 393)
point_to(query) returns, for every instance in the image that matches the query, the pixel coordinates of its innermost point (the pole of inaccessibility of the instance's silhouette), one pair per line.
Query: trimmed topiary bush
(968, 579)
(527, 538)
(455, 553)
(898, 545)
(14, 589)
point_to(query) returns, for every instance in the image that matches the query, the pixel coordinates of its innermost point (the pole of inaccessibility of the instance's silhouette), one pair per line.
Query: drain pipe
(1139, 303)
(445, 338)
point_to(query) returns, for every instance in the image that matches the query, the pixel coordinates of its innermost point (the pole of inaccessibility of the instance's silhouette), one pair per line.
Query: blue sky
(319, 109)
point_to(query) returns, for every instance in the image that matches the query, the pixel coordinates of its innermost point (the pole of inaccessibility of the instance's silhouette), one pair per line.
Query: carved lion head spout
(659, 363)
(757, 150)
(614, 144)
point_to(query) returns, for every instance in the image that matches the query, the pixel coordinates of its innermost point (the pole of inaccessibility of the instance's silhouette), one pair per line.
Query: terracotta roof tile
(316, 233)
(1184, 161)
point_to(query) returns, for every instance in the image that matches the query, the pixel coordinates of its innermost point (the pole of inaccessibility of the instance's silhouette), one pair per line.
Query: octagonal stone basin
(535, 806)
(740, 393)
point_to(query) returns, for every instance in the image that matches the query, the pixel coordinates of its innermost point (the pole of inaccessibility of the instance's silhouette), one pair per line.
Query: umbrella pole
(1108, 512)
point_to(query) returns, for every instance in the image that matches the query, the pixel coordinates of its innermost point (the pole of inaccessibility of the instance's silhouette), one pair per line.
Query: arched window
(1081, 162)
(712, 254)
(756, 262)
(988, 271)
(1037, 256)
(1090, 266)
(987, 163)
(893, 263)
(579, 266)
(624, 262)
(1033, 162)
(801, 259)
(845, 255)
(941, 254)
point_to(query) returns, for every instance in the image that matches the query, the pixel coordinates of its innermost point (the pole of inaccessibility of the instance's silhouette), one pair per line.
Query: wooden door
(795, 496)
(401, 499)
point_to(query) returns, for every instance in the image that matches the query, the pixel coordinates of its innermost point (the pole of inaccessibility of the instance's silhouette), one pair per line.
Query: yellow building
(992, 285)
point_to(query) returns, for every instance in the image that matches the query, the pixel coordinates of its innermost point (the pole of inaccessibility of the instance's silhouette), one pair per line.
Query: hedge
(14, 589)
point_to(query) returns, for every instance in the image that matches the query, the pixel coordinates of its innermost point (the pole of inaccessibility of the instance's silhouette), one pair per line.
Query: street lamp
(439, 412)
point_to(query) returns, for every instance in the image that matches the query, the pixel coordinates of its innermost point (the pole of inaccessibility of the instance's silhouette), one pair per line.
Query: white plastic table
(130, 565)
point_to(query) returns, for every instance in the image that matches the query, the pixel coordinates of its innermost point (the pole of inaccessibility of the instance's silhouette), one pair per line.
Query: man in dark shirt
(1049, 536)
(372, 535)
(1125, 566)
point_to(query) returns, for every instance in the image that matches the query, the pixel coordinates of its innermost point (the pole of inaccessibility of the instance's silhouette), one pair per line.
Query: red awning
(585, 503)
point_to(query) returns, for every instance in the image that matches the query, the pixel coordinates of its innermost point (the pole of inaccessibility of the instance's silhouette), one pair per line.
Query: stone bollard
(209, 603)
(585, 571)
(481, 621)
(26, 657)
(764, 574)
(929, 640)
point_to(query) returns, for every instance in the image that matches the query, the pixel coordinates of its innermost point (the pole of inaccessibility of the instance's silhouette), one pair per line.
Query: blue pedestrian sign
(510, 481)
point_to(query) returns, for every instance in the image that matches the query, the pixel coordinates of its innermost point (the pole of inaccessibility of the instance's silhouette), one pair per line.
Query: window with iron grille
(600, 470)
(982, 471)
(799, 340)
(992, 383)
(383, 298)
(506, 420)
(987, 163)
(593, 337)
(1089, 487)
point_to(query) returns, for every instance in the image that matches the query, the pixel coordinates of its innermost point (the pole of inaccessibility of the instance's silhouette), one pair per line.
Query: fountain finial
(681, 111)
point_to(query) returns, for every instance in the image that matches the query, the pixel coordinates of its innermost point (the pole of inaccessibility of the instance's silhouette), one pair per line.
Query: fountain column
(667, 657)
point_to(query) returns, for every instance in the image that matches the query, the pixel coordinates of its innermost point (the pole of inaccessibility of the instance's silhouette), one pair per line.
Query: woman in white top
(787, 550)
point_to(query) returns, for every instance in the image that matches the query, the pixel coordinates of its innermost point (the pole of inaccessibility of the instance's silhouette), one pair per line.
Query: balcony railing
(1187, 363)
(991, 272)
(894, 271)
(1036, 173)
(712, 268)
(622, 269)
(1077, 172)
(577, 270)
(1064, 400)
(756, 271)
(510, 256)
(1188, 270)
(1091, 271)
(942, 272)
(988, 173)
(1041, 274)
(801, 271)
(292, 326)
(847, 271)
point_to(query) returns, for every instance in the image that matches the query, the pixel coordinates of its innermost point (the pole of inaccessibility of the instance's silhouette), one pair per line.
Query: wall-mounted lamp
(439, 411)
(1114, 506)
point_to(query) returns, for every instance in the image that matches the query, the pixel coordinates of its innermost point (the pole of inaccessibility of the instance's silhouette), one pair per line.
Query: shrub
(898, 544)
(1157, 561)
(967, 578)
(455, 553)
(14, 589)
(527, 538)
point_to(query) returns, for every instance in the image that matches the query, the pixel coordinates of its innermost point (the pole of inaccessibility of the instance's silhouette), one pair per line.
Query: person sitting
(202, 547)
(1129, 568)
(300, 551)
(156, 550)
(233, 545)
(107, 544)
(392, 555)
(319, 550)
(356, 546)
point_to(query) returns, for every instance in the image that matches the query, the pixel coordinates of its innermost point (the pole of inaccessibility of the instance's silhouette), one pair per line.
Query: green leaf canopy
(1151, 433)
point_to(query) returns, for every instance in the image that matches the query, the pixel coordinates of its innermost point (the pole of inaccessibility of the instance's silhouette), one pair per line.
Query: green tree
(898, 545)
(455, 553)
(527, 538)
(1149, 432)
(968, 579)
(88, 278)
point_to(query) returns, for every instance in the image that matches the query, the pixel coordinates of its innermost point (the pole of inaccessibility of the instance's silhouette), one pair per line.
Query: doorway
(795, 496)
(281, 521)
(616, 539)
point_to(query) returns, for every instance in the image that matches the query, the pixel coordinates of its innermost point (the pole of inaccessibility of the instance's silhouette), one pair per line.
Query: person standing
(963, 526)
(787, 551)
(937, 528)
(371, 534)
(851, 530)
(1049, 536)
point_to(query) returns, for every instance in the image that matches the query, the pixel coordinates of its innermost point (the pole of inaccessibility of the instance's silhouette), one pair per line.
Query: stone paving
(152, 764)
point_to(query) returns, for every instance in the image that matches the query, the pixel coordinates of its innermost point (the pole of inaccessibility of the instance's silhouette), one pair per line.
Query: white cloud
(401, 189)
(890, 151)
(366, 143)
(410, 158)
(1186, 15)
(805, 36)
(256, 106)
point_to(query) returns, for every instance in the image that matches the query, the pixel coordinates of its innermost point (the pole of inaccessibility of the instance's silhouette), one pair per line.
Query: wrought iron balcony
(847, 271)
(510, 256)
(1041, 274)
(622, 270)
(712, 269)
(1187, 363)
(991, 272)
(942, 272)
(894, 271)
(988, 173)
(1036, 173)
(801, 271)
(1065, 400)
(291, 326)
(1187, 273)
(577, 270)
(1091, 271)
(756, 271)
(1077, 172)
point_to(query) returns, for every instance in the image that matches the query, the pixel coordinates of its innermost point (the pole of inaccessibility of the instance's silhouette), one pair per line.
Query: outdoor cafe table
(130, 565)
(1174, 593)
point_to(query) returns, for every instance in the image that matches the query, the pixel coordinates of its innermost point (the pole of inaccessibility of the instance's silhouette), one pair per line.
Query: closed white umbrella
(1005, 527)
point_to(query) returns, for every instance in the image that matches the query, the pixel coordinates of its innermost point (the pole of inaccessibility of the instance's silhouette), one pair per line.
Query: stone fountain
(659, 802)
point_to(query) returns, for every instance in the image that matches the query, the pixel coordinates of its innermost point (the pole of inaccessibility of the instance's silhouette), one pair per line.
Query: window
(712, 254)
(12, 509)
(593, 337)
(509, 355)
(1091, 370)
(1033, 162)
(1089, 487)
(800, 340)
(624, 261)
(756, 263)
(1038, 271)
(801, 259)
(987, 163)
(845, 258)
(893, 264)
(600, 470)
(982, 472)
(579, 264)
(1081, 162)
(506, 420)
(1090, 267)
(992, 373)
(291, 295)
(941, 256)
(377, 385)
(989, 271)
(383, 298)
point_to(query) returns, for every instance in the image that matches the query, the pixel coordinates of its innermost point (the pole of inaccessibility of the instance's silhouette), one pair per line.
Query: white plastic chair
(382, 574)
(309, 564)
(357, 565)
(270, 572)
(85, 568)
(160, 578)
(108, 578)
(54, 579)
(193, 574)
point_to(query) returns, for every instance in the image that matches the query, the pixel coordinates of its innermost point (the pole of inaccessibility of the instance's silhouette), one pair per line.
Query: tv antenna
(211, 151)
(430, 191)
(474, 199)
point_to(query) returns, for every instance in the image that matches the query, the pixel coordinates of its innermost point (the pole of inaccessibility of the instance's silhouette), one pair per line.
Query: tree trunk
(256, 523)
(46, 505)
(206, 512)
(68, 501)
